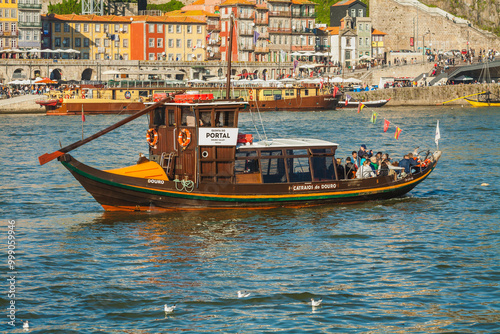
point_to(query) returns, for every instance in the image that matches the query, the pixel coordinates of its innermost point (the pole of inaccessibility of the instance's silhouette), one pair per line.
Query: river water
(424, 263)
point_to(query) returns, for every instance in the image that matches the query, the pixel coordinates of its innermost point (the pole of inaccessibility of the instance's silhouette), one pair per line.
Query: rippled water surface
(425, 263)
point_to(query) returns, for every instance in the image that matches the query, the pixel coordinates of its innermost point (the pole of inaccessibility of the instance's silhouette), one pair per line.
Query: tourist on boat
(340, 169)
(385, 156)
(407, 163)
(374, 164)
(365, 170)
(355, 159)
(384, 168)
(362, 151)
(350, 168)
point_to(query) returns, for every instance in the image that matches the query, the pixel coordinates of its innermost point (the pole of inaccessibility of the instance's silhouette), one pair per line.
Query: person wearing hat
(363, 151)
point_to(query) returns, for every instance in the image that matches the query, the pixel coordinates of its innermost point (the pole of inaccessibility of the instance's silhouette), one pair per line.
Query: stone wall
(400, 20)
(427, 96)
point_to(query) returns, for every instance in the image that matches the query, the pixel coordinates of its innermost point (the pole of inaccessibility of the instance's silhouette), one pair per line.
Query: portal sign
(217, 136)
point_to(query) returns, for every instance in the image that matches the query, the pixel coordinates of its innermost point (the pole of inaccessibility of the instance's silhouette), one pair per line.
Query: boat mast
(229, 54)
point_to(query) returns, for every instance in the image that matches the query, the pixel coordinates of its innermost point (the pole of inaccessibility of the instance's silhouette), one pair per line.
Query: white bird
(315, 303)
(169, 309)
(26, 325)
(243, 295)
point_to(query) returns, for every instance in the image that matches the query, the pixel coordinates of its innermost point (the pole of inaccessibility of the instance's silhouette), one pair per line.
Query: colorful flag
(438, 134)
(255, 37)
(321, 81)
(295, 64)
(360, 107)
(83, 114)
(398, 131)
(386, 125)
(335, 90)
(311, 75)
(208, 36)
(374, 118)
(347, 98)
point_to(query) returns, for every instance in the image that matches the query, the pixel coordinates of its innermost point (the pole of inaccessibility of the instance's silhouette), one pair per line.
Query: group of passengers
(365, 164)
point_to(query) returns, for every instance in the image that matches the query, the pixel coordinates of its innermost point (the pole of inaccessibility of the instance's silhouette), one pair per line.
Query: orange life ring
(83, 95)
(67, 96)
(152, 137)
(184, 138)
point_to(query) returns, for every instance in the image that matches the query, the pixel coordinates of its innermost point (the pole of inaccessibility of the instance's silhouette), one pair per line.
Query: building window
(86, 29)
(159, 43)
(151, 43)
(106, 42)
(117, 28)
(360, 41)
(77, 27)
(198, 43)
(353, 12)
(189, 43)
(178, 29)
(117, 43)
(78, 42)
(170, 28)
(189, 29)
(66, 27)
(66, 42)
(97, 28)
(57, 41)
(360, 12)
(125, 43)
(178, 43)
(86, 43)
(105, 27)
(160, 28)
(178, 57)
(13, 13)
(171, 43)
(57, 27)
(151, 56)
(85, 56)
(151, 27)
(35, 36)
(97, 42)
(125, 28)
(198, 29)
(171, 57)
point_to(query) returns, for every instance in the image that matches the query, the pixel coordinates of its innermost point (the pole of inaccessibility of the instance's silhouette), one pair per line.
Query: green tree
(323, 9)
(66, 7)
(167, 7)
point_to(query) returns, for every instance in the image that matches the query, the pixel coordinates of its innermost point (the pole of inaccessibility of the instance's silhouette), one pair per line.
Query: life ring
(250, 91)
(152, 137)
(66, 96)
(83, 95)
(184, 138)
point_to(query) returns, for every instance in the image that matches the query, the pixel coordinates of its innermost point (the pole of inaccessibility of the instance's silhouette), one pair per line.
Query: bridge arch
(55, 74)
(87, 74)
(19, 73)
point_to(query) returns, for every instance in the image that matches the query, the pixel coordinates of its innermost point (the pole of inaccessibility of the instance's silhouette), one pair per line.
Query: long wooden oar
(458, 98)
(49, 157)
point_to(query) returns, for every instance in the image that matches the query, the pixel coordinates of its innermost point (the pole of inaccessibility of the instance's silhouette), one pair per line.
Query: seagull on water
(243, 294)
(169, 309)
(26, 325)
(315, 303)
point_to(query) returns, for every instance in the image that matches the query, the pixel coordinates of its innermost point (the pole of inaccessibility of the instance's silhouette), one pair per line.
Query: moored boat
(484, 100)
(355, 104)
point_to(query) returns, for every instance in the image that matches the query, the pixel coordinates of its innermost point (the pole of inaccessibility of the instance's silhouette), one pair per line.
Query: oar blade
(43, 159)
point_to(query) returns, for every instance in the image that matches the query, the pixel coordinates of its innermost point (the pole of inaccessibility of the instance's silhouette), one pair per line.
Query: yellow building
(93, 36)
(8, 24)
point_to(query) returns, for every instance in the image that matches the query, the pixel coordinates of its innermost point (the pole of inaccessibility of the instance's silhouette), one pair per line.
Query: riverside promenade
(23, 104)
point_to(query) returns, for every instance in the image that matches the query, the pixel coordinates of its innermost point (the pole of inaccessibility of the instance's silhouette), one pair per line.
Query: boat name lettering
(156, 181)
(217, 135)
(329, 186)
(304, 187)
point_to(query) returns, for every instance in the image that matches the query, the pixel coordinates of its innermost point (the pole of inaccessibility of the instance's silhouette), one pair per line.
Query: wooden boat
(132, 100)
(484, 100)
(355, 104)
(199, 160)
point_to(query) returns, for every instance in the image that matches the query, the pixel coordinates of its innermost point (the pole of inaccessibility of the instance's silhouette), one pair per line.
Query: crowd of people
(6, 92)
(365, 163)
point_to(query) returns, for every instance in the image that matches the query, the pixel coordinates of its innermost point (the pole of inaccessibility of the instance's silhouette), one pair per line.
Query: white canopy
(111, 72)
(336, 80)
(353, 80)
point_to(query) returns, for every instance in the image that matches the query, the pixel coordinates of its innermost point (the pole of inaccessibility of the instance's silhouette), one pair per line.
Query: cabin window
(297, 152)
(267, 92)
(187, 117)
(159, 117)
(323, 168)
(143, 93)
(298, 169)
(246, 163)
(224, 118)
(289, 92)
(206, 119)
(306, 92)
(273, 170)
(171, 118)
(271, 153)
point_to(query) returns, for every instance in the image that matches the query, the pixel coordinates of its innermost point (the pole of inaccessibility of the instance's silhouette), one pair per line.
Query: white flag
(438, 134)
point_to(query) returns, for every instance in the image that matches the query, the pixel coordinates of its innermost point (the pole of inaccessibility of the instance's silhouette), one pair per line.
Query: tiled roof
(344, 2)
(333, 30)
(238, 2)
(198, 2)
(115, 18)
(377, 32)
(303, 2)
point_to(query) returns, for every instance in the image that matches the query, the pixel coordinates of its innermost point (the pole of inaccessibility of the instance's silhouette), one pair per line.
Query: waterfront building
(354, 8)
(8, 25)
(343, 42)
(364, 38)
(29, 24)
(378, 47)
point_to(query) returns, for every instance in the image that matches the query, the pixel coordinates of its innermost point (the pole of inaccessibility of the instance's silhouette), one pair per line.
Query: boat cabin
(199, 141)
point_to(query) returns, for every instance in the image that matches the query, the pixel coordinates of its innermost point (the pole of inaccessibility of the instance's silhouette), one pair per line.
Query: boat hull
(320, 102)
(371, 104)
(122, 193)
(95, 106)
(477, 104)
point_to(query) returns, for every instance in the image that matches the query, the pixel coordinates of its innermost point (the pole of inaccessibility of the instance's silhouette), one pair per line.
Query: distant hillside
(484, 14)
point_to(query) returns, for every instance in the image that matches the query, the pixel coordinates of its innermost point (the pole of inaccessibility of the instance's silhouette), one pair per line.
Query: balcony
(302, 47)
(261, 50)
(8, 33)
(31, 6)
(323, 47)
(303, 15)
(214, 42)
(247, 47)
(244, 16)
(245, 32)
(29, 24)
(213, 27)
(213, 56)
(274, 30)
(303, 31)
(286, 13)
(263, 21)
